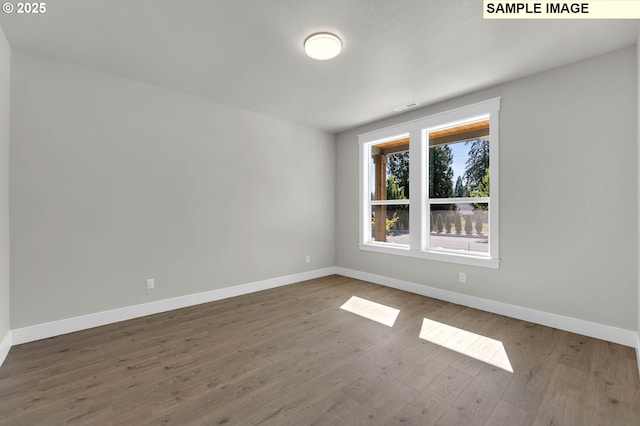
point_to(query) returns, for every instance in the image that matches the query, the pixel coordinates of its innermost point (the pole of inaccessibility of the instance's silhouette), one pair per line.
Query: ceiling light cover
(322, 46)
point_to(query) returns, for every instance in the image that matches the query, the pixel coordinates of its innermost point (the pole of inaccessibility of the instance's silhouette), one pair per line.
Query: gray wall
(114, 181)
(5, 67)
(638, 180)
(568, 196)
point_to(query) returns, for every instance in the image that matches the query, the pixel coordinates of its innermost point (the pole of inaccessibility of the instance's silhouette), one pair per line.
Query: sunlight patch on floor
(485, 349)
(371, 310)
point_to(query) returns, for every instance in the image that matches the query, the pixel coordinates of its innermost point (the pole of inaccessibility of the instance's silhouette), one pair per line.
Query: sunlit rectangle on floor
(371, 310)
(485, 349)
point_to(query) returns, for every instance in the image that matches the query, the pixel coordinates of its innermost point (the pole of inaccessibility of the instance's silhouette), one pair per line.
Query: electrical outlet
(151, 283)
(462, 277)
(308, 259)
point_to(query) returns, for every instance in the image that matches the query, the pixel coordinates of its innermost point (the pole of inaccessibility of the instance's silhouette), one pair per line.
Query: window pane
(395, 228)
(460, 226)
(389, 174)
(459, 161)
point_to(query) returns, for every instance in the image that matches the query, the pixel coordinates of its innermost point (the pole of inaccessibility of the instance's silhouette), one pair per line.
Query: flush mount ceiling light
(322, 46)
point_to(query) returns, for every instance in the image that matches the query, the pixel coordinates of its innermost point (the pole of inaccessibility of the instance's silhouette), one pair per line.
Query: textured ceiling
(248, 53)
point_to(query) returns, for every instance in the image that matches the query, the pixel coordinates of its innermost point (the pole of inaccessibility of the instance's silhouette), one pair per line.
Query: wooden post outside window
(380, 230)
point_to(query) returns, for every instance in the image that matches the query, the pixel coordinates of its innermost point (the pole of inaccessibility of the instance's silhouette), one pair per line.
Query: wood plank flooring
(291, 356)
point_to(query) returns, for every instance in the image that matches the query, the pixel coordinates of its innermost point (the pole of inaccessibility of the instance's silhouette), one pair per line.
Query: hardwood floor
(291, 356)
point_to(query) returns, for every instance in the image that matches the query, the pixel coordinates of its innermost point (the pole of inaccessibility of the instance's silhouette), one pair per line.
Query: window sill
(463, 259)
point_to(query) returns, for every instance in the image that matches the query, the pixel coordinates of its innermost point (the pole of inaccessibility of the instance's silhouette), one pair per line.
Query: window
(389, 186)
(429, 187)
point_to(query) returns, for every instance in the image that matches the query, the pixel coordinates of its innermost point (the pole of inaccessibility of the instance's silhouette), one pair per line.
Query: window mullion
(459, 200)
(389, 202)
(417, 179)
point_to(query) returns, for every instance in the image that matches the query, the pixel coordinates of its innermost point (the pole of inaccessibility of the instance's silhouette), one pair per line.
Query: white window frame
(419, 218)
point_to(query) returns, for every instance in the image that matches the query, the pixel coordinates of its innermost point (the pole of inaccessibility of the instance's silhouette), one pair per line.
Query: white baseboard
(5, 346)
(69, 325)
(574, 325)
(83, 322)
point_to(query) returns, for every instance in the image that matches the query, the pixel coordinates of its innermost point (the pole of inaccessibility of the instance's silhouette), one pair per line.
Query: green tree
(440, 178)
(440, 172)
(459, 189)
(394, 191)
(477, 164)
(483, 187)
(398, 166)
(483, 191)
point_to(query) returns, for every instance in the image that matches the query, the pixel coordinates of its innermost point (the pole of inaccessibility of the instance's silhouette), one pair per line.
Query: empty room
(383, 212)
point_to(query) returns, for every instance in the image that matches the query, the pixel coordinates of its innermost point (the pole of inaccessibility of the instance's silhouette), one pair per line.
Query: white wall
(114, 181)
(5, 67)
(568, 196)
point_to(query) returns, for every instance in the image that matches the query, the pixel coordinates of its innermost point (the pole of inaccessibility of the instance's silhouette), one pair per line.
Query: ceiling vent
(406, 107)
